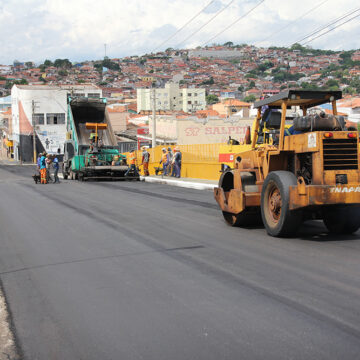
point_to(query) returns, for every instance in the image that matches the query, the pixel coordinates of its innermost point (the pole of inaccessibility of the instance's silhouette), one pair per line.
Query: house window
(196, 102)
(38, 119)
(189, 102)
(55, 119)
(189, 94)
(180, 102)
(195, 94)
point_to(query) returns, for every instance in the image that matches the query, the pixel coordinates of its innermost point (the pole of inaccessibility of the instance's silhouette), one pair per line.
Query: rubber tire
(342, 219)
(290, 220)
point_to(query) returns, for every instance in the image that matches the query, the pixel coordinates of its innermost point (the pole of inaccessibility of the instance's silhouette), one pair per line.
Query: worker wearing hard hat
(177, 162)
(164, 160)
(145, 161)
(132, 162)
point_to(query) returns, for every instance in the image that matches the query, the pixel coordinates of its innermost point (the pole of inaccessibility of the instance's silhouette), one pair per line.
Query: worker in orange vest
(132, 167)
(145, 161)
(164, 160)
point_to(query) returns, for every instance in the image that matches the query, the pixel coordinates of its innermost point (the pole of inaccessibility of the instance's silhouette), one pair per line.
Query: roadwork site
(136, 270)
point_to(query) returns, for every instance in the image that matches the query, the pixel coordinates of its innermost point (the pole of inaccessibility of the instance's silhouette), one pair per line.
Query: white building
(172, 98)
(44, 107)
(5, 69)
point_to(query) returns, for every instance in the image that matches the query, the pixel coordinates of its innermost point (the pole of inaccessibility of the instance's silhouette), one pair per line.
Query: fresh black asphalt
(133, 270)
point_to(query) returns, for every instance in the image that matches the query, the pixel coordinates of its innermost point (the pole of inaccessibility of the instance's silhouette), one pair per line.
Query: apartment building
(171, 98)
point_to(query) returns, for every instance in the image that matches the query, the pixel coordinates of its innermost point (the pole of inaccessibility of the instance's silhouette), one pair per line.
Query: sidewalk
(198, 184)
(14, 162)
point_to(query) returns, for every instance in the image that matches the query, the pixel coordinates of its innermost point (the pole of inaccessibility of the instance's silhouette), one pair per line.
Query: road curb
(179, 183)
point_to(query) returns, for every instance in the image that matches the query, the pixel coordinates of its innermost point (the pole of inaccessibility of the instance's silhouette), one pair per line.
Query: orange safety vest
(132, 159)
(164, 158)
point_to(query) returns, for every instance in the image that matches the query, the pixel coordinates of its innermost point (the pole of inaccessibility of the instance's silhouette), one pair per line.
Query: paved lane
(145, 271)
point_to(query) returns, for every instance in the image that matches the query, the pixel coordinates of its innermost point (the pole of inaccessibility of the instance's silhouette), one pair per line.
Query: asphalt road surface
(133, 270)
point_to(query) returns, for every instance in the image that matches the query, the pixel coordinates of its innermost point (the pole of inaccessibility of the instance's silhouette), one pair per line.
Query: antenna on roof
(105, 51)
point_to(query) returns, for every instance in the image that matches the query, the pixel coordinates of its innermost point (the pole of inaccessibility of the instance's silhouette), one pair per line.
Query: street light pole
(34, 134)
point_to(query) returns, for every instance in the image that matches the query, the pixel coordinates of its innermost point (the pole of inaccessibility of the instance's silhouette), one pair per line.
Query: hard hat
(116, 157)
(143, 148)
(163, 149)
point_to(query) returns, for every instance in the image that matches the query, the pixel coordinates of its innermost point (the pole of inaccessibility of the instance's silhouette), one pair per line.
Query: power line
(201, 27)
(322, 27)
(292, 22)
(173, 35)
(233, 23)
(335, 27)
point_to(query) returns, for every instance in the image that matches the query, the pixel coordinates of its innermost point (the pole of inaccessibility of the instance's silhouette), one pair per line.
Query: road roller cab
(309, 170)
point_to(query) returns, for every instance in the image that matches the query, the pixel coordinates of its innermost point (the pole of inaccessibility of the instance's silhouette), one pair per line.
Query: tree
(240, 88)
(250, 98)
(48, 63)
(110, 65)
(29, 64)
(251, 85)
(332, 84)
(264, 66)
(229, 44)
(63, 73)
(81, 81)
(62, 63)
(212, 99)
(208, 82)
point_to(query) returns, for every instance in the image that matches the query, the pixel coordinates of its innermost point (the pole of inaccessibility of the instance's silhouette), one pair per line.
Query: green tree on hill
(212, 99)
(250, 98)
(208, 82)
(62, 63)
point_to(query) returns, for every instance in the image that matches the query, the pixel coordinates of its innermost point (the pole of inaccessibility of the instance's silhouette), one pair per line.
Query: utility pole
(34, 133)
(105, 50)
(153, 118)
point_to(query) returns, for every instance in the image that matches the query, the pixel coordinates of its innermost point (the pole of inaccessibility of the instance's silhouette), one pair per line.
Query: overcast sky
(34, 30)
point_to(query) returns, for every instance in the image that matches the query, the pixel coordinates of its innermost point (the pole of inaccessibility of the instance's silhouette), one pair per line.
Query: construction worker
(132, 163)
(170, 167)
(43, 169)
(48, 162)
(145, 161)
(56, 169)
(173, 174)
(164, 160)
(115, 161)
(177, 162)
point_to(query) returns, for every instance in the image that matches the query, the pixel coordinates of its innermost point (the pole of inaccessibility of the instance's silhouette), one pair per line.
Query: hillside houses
(243, 68)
